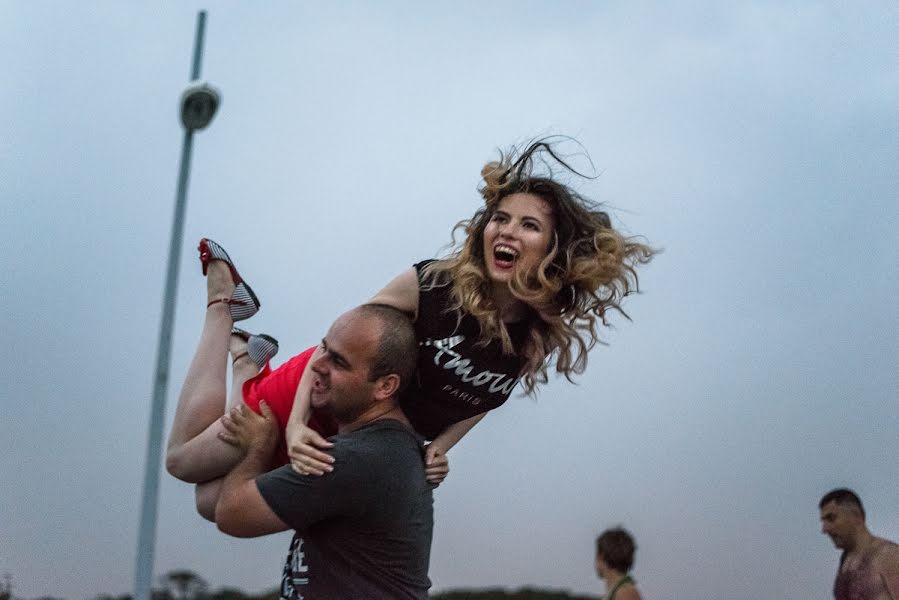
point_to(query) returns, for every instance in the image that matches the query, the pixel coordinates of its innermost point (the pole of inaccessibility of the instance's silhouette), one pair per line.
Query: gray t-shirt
(363, 531)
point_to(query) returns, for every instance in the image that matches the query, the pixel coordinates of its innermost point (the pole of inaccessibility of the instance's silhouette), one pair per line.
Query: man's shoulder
(374, 438)
(380, 427)
(886, 549)
(386, 453)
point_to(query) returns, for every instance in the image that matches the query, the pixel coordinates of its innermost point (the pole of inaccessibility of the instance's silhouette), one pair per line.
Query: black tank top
(457, 378)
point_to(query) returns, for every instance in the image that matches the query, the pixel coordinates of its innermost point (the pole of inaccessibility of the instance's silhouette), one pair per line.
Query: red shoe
(243, 302)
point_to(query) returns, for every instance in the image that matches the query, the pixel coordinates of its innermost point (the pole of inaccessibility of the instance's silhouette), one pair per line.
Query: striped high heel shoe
(261, 348)
(243, 302)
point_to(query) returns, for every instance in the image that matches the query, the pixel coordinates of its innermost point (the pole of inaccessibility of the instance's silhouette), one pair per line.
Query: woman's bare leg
(203, 395)
(206, 496)
(243, 369)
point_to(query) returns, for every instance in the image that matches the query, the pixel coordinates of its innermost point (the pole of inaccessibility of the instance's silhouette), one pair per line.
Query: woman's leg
(203, 395)
(207, 456)
(243, 369)
(206, 496)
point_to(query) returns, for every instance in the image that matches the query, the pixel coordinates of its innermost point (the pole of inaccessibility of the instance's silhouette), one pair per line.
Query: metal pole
(146, 540)
(198, 46)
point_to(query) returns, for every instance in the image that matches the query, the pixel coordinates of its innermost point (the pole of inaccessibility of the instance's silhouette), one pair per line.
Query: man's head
(369, 356)
(615, 549)
(842, 517)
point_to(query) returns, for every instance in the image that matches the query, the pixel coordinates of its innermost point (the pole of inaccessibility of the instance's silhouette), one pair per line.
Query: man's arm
(241, 510)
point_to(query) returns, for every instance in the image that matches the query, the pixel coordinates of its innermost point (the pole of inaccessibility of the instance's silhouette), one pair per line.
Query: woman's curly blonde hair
(588, 271)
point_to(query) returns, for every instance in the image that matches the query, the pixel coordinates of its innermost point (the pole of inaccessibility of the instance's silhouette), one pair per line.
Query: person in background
(615, 550)
(869, 565)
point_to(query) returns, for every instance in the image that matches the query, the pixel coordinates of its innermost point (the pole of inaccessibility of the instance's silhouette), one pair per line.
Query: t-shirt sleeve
(304, 500)
(419, 266)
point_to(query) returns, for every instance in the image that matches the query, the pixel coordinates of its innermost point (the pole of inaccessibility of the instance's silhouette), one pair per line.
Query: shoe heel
(210, 251)
(204, 255)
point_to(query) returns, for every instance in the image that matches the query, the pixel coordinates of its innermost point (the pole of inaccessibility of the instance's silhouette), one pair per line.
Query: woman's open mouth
(504, 256)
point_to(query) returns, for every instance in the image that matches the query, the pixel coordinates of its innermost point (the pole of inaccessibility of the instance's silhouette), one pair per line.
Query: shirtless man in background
(869, 566)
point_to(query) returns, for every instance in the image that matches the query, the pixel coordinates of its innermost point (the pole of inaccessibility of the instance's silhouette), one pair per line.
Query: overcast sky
(756, 142)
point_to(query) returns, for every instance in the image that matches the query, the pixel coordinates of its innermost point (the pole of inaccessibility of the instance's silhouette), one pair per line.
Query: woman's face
(601, 566)
(518, 235)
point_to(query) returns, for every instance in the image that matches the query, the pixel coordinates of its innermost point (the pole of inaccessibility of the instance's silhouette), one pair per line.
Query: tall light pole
(198, 105)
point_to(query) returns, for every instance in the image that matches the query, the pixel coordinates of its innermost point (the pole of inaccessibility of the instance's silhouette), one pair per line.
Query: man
(363, 530)
(869, 566)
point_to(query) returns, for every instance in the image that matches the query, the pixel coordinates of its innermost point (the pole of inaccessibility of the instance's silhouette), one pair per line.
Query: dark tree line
(502, 594)
(184, 584)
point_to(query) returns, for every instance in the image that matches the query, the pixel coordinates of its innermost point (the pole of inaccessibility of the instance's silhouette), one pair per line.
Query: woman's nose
(507, 229)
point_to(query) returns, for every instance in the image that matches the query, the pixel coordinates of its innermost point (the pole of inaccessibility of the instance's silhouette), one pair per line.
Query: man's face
(839, 521)
(340, 384)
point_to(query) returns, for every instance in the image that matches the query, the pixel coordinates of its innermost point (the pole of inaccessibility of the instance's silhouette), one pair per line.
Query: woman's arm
(401, 293)
(305, 446)
(436, 463)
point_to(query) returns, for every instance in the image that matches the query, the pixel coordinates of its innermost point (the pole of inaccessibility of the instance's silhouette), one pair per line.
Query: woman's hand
(304, 447)
(436, 464)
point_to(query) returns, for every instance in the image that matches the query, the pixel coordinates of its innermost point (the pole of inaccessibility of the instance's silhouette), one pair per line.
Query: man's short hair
(616, 548)
(843, 497)
(397, 350)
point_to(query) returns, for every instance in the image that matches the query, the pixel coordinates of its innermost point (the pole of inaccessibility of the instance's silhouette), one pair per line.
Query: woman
(538, 270)
(614, 558)
(530, 285)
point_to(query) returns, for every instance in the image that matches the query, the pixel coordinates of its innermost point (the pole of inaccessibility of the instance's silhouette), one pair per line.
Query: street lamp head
(198, 105)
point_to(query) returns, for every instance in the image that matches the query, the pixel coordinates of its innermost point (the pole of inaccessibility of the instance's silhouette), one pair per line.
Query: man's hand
(253, 433)
(436, 464)
(304, 447)
(241, 510)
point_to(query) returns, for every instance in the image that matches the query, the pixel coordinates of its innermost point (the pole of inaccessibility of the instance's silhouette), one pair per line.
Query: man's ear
(386, 386)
